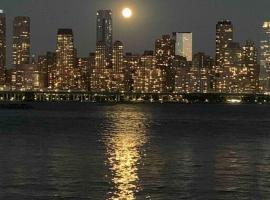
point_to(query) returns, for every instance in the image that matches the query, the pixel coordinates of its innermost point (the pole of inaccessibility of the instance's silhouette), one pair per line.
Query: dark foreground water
(126, 152)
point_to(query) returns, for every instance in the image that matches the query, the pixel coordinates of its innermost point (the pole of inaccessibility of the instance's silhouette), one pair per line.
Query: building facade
(117, 76)
(165, 53)
(251, 68)
(183, 44)
(65, 61)
(224, 36)
(2, 48)
(265, 58)
(100, 77)
(21, 41)
(105, 30)
(28, 77)
(51, 66)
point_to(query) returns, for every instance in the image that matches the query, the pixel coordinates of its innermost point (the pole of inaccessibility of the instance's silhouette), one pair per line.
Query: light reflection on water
(128, 152)
(124, 140)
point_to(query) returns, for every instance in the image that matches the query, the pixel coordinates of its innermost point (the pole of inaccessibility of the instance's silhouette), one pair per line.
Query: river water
(128, 152)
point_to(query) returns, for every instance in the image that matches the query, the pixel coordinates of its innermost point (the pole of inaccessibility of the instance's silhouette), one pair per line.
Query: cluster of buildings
(171, 67)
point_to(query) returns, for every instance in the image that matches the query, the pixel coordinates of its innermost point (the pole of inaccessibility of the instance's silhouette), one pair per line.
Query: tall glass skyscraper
(183, 44)
(265, 57)
(104, 30)
(2, 47)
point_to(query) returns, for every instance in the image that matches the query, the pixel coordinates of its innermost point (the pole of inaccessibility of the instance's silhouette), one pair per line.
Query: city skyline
(170, 69)
(135, 99)
(146, 15)
(173, 65)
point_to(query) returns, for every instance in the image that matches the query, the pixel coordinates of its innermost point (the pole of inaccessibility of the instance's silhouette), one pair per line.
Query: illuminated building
(43, 68)
(265, 58)
(224, 36)
(117, 75)
(203, 68)
(232, 68)
(183, 75)
(65, 75)
(82, 73)
(131, 64)
(105, 30)
(251, 68)
(165, 52)
(89, 72)
(195, 77)
(183, 44)
(27, 77)
(147, 77)
(2, 48)
(100, 77)
(21, 41)
(241, 69)
(51, 66)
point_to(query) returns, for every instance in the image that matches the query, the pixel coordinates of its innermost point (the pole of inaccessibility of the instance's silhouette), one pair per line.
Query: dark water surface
(126, 152)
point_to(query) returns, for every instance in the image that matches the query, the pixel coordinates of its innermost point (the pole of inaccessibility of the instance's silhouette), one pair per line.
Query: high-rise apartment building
(51, 66)
(117, 76)
(43, 68)
(105, 30)
(21, 41)
(2, 47)
(131, 64)
(100, 77)
(183, 44)
(65, 61)
(251, 68)
(203, 69)
(232, 68)
(147, 77)
(165, 53)
(265, 58)
(224, 35)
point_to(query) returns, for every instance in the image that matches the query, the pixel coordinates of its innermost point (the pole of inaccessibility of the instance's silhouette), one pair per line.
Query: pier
(82, 96)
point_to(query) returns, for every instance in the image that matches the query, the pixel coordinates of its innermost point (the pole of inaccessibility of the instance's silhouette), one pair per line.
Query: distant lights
(266, 24)
(1, 11)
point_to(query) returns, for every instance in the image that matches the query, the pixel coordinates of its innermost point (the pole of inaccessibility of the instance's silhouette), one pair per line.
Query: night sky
(151, 19)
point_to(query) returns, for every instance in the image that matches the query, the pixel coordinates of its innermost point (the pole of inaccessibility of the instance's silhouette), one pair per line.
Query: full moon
(127, 12)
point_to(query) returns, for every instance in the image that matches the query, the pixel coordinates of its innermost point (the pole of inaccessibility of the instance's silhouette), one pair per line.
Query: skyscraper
(2, 47)
(147, 77)
(117, 78)
(100, 77)
(105, 30)
(21, 41)
(51, 66)
(118, 57)
(232, 68)
(265, 58)
(203, 66)
(131, 64)
(165, 53)
(224, 35)
(183, 44)
(65, 60)
(250, 67)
